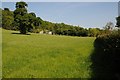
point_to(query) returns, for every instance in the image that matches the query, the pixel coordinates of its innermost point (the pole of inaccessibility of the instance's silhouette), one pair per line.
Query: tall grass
(45, 56)
(0, 53)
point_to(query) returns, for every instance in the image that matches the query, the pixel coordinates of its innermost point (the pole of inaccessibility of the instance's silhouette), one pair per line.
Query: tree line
(21, 20)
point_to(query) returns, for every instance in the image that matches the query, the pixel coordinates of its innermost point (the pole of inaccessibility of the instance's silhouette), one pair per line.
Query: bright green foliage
(7, 19)
(45, 56)
(94, 32)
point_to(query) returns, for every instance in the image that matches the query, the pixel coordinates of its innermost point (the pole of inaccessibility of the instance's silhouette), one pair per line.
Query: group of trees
(21, 20)
(7, 19)
(64, 29)
(24, 20)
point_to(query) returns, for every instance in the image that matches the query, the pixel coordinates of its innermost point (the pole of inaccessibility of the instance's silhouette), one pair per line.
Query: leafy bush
(106, 57)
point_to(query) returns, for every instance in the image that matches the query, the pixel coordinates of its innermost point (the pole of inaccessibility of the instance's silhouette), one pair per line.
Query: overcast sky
(84, 14)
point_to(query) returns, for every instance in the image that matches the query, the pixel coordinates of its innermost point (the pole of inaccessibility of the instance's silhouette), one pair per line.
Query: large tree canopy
(27, 21)
(21, 16)
(21, 4)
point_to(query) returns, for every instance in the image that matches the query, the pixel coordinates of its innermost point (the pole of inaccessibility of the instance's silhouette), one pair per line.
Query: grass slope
(45, 56)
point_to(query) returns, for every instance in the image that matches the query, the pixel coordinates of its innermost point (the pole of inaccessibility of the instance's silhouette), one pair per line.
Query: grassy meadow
(0, 53)
(45, 56)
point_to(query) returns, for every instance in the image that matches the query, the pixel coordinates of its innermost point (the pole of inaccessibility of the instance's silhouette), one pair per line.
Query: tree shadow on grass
(19, 33)
(105, 61)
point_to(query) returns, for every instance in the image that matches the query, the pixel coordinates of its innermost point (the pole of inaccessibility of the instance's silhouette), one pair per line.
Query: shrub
(106, 56)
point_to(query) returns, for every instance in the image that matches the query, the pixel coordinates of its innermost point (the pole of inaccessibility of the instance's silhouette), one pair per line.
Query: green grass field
(45, 56)
(0, 53)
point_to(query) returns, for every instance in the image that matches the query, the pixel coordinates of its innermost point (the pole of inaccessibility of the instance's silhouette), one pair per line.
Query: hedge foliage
(106, 57)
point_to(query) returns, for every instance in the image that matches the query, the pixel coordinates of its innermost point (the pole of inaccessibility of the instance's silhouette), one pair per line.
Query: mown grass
(45, 56)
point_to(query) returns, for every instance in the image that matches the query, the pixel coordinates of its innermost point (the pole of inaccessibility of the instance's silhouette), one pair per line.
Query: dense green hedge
(106, 56)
